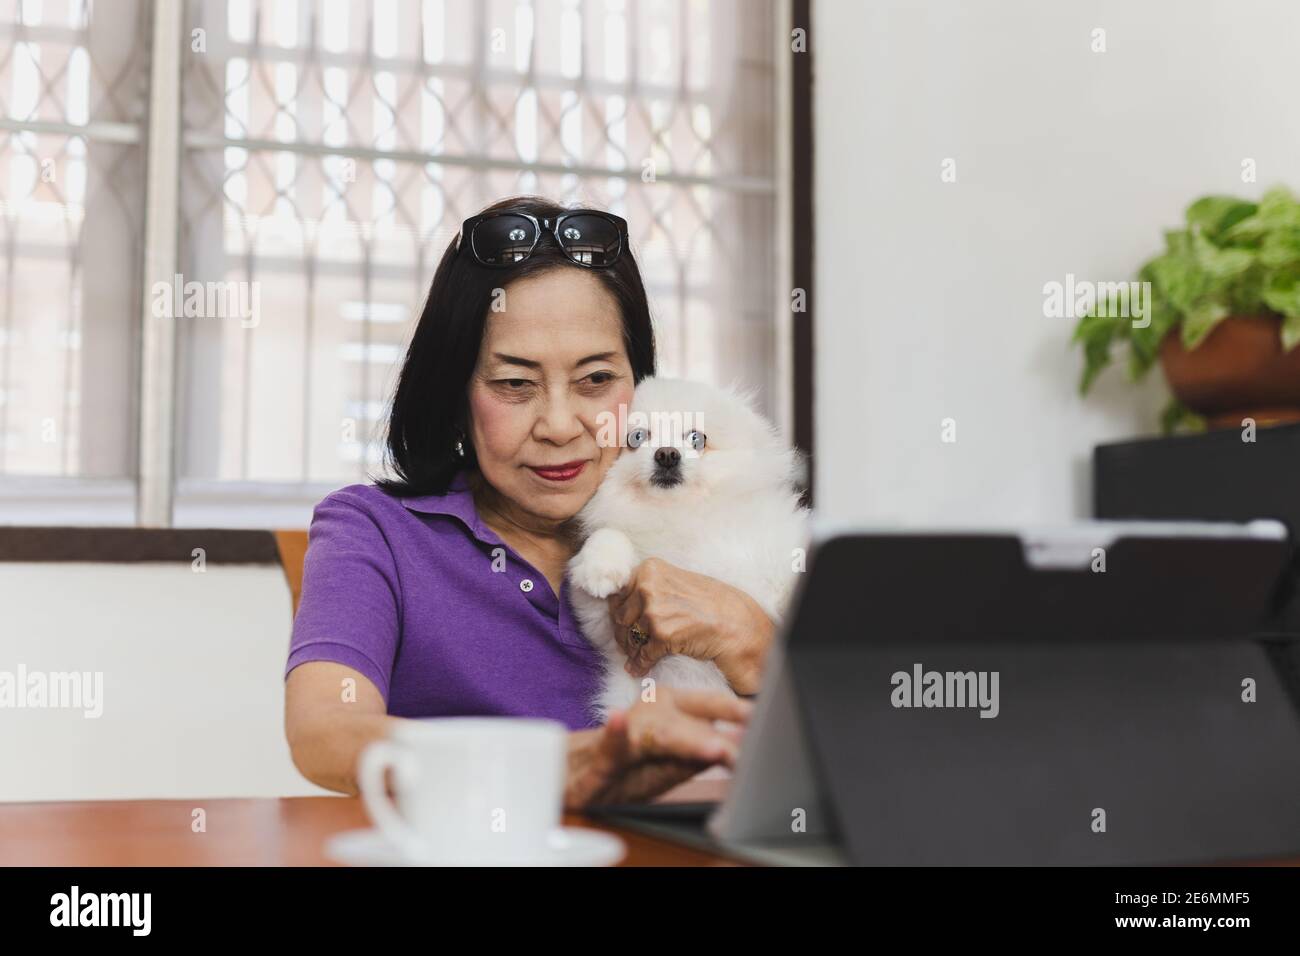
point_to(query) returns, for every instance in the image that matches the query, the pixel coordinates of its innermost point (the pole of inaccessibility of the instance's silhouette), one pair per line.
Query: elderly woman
(441, 592)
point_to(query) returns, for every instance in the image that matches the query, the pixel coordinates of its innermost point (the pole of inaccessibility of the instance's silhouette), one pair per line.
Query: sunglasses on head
(588, 237)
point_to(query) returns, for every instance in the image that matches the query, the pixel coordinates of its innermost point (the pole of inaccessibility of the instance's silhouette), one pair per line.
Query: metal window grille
(333, 149)
(72, 101)
(329, 150)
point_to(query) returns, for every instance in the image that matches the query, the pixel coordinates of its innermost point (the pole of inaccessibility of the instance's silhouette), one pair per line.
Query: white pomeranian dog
(704, 483)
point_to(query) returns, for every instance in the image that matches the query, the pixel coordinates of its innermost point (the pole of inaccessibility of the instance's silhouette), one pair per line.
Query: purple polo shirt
(403, 590)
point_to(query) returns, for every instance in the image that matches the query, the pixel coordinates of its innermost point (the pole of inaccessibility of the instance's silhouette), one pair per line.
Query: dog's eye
(637, 437)
(696, 440)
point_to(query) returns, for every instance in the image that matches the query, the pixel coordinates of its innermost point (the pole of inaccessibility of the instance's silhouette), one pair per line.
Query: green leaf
(1281, 248)
(1096, 332)
(1164, 317)
(1247, 232)
(1095, 361)
(1178, 242)
(1290, 332)
(1140, 362)
(1245, 296)
(1201, 320)
(1283, 295)
(1179, 279)
(1214, 214)
(1144, 349)
(1279, 208)
(1178, 416)
(1094, 326)
(1220, 264)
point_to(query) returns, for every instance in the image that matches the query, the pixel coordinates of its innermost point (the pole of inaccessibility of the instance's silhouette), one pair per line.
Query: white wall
(189, 666)
(929, 296)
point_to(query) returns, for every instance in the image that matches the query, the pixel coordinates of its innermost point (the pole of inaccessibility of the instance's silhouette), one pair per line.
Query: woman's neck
(521, 529)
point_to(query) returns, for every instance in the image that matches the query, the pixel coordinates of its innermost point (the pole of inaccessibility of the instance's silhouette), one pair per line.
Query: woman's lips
(566, 472)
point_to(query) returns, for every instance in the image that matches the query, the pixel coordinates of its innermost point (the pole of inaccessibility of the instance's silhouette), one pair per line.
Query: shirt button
(525, 585)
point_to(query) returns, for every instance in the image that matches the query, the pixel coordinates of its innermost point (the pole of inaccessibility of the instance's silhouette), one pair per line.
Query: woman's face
(551, 369)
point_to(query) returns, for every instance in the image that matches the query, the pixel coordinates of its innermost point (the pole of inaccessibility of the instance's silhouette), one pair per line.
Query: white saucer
(569, 846)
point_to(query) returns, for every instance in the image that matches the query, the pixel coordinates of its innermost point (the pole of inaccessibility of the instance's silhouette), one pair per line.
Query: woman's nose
(558, 423)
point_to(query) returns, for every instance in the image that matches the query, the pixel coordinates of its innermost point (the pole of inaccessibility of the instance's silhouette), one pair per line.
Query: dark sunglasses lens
(503, 239)
(591, 240)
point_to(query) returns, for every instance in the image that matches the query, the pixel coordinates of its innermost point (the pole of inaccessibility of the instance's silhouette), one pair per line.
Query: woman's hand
(695, 615)
(653, 746)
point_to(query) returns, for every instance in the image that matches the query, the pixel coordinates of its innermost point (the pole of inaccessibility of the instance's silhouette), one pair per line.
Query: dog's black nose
(667, 457)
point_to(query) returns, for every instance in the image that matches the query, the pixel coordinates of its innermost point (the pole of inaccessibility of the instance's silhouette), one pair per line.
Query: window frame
(149, 498)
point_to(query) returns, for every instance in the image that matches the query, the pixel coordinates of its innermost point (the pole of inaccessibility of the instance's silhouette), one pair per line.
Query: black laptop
(1108, 693)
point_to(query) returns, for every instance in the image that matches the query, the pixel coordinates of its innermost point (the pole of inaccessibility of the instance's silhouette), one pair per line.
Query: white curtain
(334, 147)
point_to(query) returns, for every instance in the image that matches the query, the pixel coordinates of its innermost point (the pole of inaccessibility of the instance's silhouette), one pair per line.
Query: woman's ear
(460, 435)
(460, 421)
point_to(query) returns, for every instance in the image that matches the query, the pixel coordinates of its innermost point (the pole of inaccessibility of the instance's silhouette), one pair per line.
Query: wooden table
(289, 831)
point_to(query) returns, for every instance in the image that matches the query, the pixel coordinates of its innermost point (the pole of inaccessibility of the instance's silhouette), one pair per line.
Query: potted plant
(1224, 315)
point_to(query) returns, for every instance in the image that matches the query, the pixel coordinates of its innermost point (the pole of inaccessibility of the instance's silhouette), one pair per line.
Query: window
(71, 231)
(329, 150)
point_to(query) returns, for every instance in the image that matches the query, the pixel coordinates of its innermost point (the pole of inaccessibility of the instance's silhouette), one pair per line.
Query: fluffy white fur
(734, 516)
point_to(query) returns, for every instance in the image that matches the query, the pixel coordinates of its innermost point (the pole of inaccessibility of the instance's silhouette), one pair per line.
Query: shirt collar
(458, 502)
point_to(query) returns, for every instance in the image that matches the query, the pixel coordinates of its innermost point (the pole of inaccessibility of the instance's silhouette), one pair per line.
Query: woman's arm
(640, 753)
(331, 713)
(695, 615)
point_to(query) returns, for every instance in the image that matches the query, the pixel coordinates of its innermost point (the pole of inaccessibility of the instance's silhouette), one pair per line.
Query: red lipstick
(566, 472)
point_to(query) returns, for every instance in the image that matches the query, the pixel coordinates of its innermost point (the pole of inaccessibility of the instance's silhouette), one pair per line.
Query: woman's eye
(696, 440)
(514, 383)
(636, 438)
(600, 378)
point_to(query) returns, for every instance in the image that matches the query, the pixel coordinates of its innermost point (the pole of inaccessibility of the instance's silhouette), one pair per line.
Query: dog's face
(687, 441)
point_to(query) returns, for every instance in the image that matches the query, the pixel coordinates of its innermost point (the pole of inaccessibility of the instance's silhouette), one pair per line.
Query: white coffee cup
(468, 789)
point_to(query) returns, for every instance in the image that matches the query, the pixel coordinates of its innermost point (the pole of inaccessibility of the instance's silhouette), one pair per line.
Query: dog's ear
(747, 395)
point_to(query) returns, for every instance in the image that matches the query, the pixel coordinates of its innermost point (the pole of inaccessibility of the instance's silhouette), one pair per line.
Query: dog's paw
(604, 564)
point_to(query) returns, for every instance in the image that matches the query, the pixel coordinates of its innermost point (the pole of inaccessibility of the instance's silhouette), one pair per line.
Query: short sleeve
(350, 608)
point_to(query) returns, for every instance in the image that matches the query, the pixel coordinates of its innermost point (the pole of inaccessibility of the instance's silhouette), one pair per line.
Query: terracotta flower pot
(1238, 371)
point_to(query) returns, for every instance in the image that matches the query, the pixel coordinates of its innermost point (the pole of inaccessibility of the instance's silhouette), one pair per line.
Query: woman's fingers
(646, 656)
(597, 759)
(616, 726)
(669, 729)
(647, 779)
(653, 746)
(683, 738)
(713, 705)
(625, 606)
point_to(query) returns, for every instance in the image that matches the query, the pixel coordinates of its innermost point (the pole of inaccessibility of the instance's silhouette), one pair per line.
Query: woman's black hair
(429, 414)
